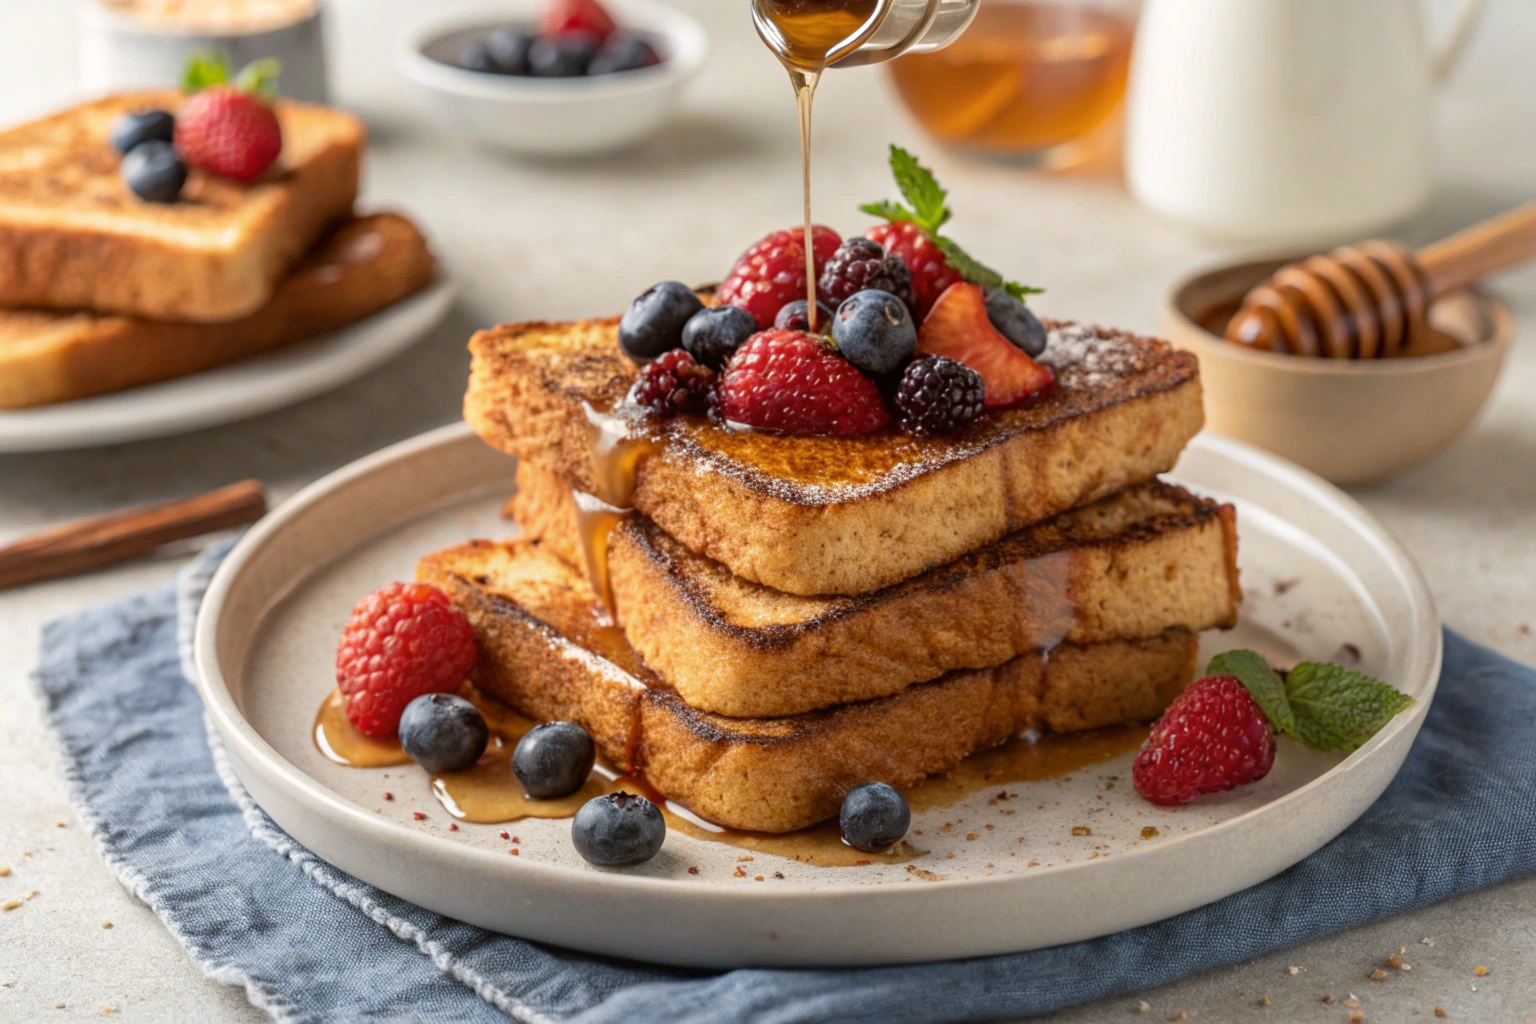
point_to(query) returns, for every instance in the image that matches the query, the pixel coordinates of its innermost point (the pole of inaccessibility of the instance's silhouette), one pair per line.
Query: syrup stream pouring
(810, 36)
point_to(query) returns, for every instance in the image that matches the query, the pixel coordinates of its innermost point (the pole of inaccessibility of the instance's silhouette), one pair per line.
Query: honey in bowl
(1025, 78)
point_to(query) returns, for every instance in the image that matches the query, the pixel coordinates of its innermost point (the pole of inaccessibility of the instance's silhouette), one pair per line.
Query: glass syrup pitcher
(818, 34)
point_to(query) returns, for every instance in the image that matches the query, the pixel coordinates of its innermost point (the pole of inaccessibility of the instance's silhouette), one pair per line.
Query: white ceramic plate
(229, 393)
(1319, 572)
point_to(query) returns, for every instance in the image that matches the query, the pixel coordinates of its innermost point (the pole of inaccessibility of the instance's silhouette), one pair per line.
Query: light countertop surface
(552, 241)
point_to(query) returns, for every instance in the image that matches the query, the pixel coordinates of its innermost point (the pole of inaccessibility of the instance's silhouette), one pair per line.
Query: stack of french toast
(110, 279)
(777, 619)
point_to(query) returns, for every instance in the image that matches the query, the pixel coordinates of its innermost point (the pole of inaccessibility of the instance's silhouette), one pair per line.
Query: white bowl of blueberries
(557, 77)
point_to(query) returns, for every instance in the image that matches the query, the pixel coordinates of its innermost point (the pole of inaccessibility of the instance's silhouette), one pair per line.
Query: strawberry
(1220, 732)
(958, 327)
(931, 272)
(577, 17)
(229, 129)
(1212, 738)
(402, 641)
(771, 274)
(793, 382)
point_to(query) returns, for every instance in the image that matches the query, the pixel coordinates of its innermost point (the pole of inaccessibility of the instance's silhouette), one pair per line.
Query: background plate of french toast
(984, 620)
(123, 318)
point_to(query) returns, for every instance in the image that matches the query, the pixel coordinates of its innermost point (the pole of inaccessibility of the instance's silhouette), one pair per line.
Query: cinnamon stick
(104, 540)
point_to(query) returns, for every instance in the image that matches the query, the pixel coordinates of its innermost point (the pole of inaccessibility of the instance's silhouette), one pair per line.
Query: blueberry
(874, 816)
(154, 172)
(1015, 322)
(560, 56)
(654, 322)
(507, 49)
(712, 334)
(624, 52)
(874, 331)
(475, 57)
(618, 830)
(443, 733)
(142, 126)
(553, 760)
(792, 317)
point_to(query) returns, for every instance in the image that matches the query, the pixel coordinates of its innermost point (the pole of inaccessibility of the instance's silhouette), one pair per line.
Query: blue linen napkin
(310, 943)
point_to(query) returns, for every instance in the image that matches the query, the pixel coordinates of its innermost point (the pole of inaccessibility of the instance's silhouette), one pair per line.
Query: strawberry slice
(958, 327)
(584, 17)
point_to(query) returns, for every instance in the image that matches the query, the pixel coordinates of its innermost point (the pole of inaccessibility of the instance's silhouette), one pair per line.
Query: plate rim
(195, 400)
(252, 749)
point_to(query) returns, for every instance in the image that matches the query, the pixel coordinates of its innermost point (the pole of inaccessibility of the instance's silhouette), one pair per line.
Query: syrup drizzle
(489, 793)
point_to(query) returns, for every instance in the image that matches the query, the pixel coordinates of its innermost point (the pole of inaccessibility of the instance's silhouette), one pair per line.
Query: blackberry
(861, 265)
(938, 395)
(675, 383)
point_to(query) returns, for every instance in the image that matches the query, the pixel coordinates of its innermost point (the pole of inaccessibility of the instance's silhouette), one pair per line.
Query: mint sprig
(1325, 706)
(206, 70)
(927, 206)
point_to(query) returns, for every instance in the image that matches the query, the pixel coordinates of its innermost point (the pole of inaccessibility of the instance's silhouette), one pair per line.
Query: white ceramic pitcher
(1285, 121)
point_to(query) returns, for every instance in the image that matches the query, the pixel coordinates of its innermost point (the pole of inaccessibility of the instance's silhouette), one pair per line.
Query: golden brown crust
(1127, 567)
(73, 237)
(537, 624)
(815, 515)
(366, 265)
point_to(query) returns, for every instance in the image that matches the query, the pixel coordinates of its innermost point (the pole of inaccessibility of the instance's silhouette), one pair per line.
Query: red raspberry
(771, 274)
(931, 273)
(792, 382)
(403, 640)
(228, 132)
(1212, 738)
(573, 17)
(674, 383)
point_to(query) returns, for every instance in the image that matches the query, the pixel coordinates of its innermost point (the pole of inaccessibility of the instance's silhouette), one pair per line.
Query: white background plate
(229, 393)
(1319, 574)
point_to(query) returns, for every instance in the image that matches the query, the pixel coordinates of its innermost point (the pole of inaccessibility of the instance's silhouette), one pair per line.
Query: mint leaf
(1264, 683)
(1339, 708)
(921, 189)
(205, 70)
(887, 210)
(928, 208)
(260, 77)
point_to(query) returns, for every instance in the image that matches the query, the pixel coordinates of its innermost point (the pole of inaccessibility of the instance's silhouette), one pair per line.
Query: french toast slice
(831, 515)
(72, 235)
(545, 648)
(365, 265)
(1125, 567)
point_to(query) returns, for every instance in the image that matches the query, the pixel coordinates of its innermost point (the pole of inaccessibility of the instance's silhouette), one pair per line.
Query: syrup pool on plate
(489, 793)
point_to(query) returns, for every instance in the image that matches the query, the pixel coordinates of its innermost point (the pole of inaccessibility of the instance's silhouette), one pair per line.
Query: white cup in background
(1284, 121)
(121, 49)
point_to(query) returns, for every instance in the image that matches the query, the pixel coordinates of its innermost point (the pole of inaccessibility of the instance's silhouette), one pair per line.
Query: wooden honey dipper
(1369, 300)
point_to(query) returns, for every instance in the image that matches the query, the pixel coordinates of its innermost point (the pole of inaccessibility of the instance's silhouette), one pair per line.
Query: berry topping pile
(909, 330)
(794, 383)
(572, 39)
(225, 128)
(402, 641)
(1220, 733)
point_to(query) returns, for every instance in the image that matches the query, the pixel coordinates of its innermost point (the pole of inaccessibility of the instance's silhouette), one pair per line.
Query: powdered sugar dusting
(1085, 357)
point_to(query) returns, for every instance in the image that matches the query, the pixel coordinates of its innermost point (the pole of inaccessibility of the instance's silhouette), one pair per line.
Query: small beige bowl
(1351, 421)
